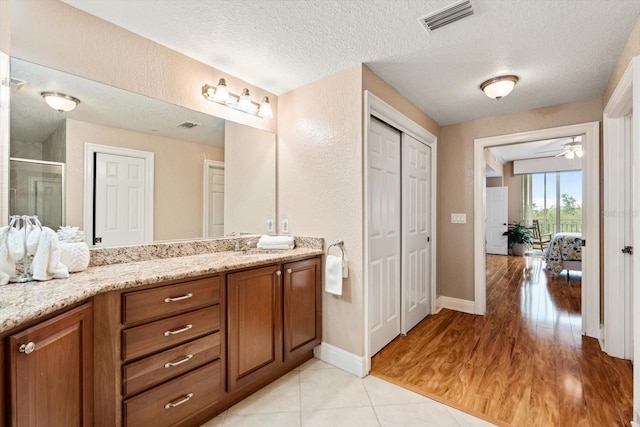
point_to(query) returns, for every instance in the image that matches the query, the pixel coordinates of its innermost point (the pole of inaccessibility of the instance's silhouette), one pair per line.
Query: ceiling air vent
(188, 125)
(447, 15)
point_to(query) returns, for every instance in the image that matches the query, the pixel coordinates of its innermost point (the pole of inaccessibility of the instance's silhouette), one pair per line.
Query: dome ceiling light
(499, 87)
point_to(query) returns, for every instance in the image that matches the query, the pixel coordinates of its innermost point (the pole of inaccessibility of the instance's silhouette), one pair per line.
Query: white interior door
(497, 211)
(119, 214)
(629, 221)
(416, 226)
(383, 186)
(214, 199)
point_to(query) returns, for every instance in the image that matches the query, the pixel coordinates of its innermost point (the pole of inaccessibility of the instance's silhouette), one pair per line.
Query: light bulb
(579, 153)
(569, 155)
(222, 93)
(245, 100)
(265, 108)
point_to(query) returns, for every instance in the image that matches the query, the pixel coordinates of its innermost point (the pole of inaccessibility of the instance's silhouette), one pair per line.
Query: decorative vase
(75, 255)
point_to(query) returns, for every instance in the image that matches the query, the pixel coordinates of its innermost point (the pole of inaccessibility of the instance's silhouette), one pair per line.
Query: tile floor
(318, 394)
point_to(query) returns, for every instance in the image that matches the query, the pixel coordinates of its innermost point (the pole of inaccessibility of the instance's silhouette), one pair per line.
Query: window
(555, 200)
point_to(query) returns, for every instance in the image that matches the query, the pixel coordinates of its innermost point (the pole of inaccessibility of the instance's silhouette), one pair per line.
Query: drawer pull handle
(178, 331)
(179, 362)
(174, 299)
(185, 399)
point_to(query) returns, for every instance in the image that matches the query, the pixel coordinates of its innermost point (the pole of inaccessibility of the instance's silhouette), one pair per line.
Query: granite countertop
(23, 302)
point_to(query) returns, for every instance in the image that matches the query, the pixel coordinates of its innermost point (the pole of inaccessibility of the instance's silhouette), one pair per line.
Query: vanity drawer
(169, 403)
(153, 370)
(165, 333)
(167, 300)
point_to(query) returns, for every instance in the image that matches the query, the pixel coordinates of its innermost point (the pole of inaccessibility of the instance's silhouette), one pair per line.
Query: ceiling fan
(570, 150)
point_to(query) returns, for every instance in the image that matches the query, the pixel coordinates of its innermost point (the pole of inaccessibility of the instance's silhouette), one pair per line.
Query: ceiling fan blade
(548, 151)
(562, 154)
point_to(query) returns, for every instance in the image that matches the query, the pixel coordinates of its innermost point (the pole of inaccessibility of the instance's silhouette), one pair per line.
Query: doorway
(118, 202)
(398, 282)
(591, 217)
(213, 218)
(621, 221)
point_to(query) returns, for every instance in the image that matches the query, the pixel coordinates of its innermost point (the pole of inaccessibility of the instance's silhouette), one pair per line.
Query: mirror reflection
(135, 169)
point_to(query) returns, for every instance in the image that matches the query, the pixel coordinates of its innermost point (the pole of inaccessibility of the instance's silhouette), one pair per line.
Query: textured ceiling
(562, 50)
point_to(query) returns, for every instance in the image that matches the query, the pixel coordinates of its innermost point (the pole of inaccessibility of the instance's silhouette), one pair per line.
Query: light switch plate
(284, 226)
(269, 225)
(458, 218)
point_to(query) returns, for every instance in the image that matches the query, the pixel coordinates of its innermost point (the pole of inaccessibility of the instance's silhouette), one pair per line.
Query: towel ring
(339, 244)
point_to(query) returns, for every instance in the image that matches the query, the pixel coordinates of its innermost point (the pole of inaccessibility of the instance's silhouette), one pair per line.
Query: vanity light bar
(221, 95)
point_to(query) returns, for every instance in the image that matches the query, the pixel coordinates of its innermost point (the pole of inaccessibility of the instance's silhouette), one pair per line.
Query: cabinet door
(302, 306)
(50, 372)
(254, 324)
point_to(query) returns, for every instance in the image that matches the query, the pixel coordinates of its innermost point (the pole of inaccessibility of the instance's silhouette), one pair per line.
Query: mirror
(237, 197)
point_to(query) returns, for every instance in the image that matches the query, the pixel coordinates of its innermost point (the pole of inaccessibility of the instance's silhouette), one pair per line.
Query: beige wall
(320, 186)
(5, 26)
(373, 83)
(177, 179)
(514, 194)
(631, 49)
(455, 183)
(54, 34)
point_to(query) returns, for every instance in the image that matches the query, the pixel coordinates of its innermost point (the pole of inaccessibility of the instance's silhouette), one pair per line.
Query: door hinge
(428, 239)
(627, 250)
(97, 240)
(584, 242)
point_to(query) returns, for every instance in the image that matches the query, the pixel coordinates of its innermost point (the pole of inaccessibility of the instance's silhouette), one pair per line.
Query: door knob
(627, 250)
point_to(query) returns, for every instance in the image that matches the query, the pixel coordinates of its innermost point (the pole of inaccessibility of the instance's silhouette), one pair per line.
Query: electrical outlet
(458, 218)
(284, 225)
(269, 225)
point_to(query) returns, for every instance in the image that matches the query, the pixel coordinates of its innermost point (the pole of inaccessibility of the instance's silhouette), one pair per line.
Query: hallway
(525, 363)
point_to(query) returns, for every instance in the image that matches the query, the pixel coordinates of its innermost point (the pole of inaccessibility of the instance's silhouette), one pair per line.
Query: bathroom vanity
(162, 342)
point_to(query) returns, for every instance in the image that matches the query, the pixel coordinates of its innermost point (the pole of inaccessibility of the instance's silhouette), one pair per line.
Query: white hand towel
(46, 263)
(7, 266)
(276, 242)
(15, 243)
(333, 275)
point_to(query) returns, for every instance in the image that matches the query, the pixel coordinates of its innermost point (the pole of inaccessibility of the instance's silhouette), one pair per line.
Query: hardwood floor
(525, 363)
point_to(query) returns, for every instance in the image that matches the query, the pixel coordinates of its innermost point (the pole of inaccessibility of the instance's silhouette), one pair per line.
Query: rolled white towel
(276, 242)
(46, 263)
(7, 265)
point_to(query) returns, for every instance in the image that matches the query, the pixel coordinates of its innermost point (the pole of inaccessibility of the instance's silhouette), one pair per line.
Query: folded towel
(46, 263)
(333, 275)
(7, 265)
(276, 242)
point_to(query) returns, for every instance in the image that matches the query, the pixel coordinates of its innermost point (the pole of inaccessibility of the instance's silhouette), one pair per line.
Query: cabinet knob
(278, 272)
(27, 348)
(289, 270)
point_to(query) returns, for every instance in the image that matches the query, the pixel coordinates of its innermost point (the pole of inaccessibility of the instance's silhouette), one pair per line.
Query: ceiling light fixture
(573, 150)
(499, 87)
(60, 101)
(243, 102)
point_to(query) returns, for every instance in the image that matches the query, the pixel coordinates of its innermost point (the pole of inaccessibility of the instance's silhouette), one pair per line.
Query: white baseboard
(341, 359)
(457, 304)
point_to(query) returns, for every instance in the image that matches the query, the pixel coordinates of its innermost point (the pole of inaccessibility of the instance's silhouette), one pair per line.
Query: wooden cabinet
(274, 315)
(254, 324)
(50, 372)
(302, 306)
(171, 352)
